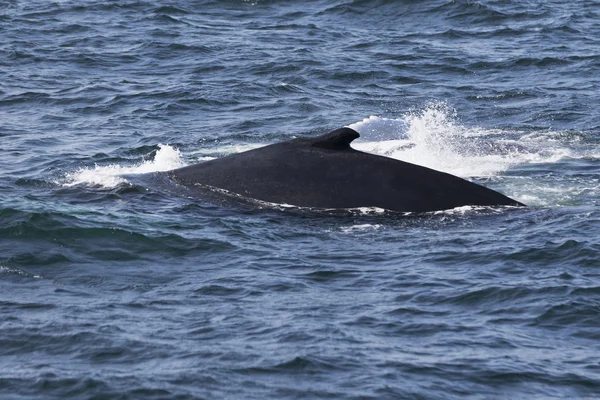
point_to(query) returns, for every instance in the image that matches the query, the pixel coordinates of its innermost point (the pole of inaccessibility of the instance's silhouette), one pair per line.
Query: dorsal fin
(339, 139)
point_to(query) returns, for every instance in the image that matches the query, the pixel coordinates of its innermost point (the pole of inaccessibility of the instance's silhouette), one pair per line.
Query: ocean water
(114, 288)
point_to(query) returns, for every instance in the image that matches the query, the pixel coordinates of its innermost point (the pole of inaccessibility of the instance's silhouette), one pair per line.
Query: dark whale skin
(325, 172)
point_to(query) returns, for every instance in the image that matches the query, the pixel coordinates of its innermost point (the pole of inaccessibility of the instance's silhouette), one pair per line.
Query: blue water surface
(113, 286)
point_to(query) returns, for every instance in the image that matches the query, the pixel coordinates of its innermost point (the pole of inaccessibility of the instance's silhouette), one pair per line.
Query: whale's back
(325, 172)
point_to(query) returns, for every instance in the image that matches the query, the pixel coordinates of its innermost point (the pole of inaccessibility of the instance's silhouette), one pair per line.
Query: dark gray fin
(339, 139)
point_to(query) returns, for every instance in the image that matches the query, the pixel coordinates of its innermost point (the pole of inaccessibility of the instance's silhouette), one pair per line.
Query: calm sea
(111, 288)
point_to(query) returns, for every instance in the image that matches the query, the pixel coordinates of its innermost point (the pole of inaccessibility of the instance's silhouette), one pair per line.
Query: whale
(325, 172)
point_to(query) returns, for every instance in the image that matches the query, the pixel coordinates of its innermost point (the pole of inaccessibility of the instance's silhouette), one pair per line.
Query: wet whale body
(325, 172)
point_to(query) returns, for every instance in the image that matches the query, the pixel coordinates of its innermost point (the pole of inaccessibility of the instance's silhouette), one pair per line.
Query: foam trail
(110, 176)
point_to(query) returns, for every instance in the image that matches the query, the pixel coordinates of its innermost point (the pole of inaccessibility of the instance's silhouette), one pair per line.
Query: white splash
(432, 137)
(110, 176)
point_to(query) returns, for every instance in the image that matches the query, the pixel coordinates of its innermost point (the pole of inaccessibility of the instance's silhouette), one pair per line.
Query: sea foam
(432, 137)
(109, 176)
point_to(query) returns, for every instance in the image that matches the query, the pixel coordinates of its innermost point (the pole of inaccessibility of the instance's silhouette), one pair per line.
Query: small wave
(110, 176)
(19, 272)
(170, 10)
(360, 228)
